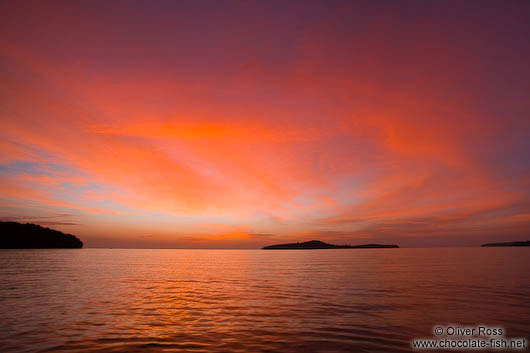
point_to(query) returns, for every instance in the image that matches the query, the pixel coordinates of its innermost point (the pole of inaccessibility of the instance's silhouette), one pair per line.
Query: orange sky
(243, 124)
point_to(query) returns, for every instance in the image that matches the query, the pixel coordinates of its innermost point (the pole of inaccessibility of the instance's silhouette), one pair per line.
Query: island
(16, 235)
(317, 244)
(512, 243)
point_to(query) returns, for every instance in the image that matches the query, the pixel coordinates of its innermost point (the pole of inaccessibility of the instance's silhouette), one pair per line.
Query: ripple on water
(100, 300)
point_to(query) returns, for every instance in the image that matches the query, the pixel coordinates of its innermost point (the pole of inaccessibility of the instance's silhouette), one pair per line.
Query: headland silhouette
(31, 236)
(317, 244)
(512, 243)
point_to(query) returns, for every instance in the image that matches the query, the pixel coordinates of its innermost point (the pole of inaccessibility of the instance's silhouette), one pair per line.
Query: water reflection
(93, 300)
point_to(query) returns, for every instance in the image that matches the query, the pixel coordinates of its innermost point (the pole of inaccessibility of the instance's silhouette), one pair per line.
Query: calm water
(108, 300)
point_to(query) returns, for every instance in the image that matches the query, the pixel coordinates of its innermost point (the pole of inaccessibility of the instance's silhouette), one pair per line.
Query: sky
(240, 124)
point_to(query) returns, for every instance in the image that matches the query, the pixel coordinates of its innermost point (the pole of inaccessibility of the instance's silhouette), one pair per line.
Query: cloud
(323, 127)
(56, 223)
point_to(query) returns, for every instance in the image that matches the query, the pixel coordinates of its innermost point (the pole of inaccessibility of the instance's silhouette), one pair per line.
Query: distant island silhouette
(512, 243)
(317, 244)
(31, 236)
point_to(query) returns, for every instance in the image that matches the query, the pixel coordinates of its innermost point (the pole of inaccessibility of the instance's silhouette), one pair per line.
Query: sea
(340, 300)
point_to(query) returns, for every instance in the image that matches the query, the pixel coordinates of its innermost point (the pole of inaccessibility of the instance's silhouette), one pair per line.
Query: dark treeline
(31, 236)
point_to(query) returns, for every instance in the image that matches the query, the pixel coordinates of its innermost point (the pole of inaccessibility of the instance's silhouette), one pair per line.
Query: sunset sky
(239, 124)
